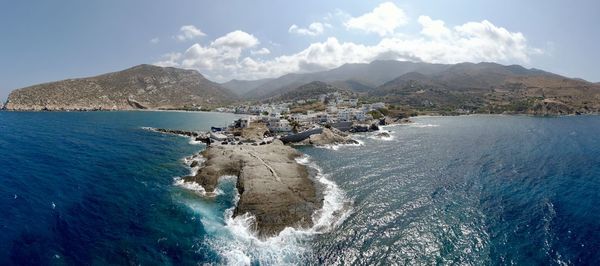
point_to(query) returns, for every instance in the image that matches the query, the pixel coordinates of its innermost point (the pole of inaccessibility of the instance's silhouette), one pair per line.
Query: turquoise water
(95, 188)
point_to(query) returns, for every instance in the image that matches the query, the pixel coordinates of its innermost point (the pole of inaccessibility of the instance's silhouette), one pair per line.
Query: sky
(42, 41)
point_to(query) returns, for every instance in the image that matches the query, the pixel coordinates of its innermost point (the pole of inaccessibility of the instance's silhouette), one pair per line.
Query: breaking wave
(419, 125)
(386, 138)
(336, 147)
(237, 244)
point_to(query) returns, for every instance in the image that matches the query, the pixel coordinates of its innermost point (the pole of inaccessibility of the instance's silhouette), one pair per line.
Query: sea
(98, 188)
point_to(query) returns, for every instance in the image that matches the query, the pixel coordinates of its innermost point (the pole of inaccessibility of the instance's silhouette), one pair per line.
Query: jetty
(196, 135)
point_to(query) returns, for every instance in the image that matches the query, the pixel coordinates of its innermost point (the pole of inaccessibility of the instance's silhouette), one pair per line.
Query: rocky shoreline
(273, 186)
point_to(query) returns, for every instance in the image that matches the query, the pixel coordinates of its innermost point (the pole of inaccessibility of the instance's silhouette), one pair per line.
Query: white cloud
(314, 29)
(434, 29)
(230, 56)
(236, 39)
(262, 51)
(221, 57)
(383, 20)
(189, 32)
(154, 40)
(169, 60)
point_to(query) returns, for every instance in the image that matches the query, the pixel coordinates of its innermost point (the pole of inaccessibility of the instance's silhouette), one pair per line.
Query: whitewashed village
(295, 121)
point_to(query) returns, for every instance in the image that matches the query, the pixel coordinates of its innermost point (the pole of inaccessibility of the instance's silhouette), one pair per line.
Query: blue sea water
(95, 188)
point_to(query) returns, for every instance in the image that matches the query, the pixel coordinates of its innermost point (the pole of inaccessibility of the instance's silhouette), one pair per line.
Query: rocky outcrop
(197, 136)
(382, 135)
(549, 107)
(140, 87)
(273, 187)
(328, 137)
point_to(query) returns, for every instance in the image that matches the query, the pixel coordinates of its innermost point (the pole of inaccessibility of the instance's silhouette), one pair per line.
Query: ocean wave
(237, 243)
(336, 147)
(288, 247)
(419, 125)
(193, 186)
(189, 161)
(336, 207)
(374, 135)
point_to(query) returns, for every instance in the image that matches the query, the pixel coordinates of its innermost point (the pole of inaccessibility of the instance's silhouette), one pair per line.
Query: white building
(218, 136)
(281, 125)
(245, 122)
(359, 115)
(322, 117)
(344, 115)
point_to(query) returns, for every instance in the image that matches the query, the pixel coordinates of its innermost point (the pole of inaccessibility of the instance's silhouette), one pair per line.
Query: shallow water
(85, 188)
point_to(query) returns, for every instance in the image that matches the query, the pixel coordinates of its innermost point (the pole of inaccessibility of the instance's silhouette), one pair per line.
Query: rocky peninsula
(272, 185)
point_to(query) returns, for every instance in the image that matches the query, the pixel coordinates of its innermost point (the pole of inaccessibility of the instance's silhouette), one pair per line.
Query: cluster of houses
(278, 118)
(334, 114)
(281, 108)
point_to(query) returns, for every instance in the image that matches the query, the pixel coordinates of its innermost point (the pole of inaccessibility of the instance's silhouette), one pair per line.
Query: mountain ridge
(483, 87)
(491, 88)
(359, 75)
(140, 87)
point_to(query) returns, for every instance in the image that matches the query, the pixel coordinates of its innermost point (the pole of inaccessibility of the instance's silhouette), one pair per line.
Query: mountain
(358, 77)
(241, 87)
(139, 87)
(491, 88)
(308, 91)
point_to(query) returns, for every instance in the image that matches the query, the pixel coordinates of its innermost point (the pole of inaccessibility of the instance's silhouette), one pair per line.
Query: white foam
(419, 125)
(238, 244)
(194, 158)
(335, 205)
(374, 135)
(193, 186)
(336, 147)
(193, 141)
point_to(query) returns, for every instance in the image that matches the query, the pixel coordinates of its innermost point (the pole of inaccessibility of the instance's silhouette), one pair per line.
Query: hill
(242, 87)
(358, 77)
(491, 88)
(139, 87)
(309, 91)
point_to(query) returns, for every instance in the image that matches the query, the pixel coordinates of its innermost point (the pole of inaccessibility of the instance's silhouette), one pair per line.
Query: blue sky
(52, 40)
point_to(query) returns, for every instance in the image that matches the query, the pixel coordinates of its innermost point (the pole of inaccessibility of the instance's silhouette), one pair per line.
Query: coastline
(276, 187)
(243, 114)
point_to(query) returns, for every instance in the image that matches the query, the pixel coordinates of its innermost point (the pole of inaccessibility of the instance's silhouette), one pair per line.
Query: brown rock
(273, 187)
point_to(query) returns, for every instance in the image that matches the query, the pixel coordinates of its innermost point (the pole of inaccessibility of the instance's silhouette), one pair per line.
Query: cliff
(140, 87)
